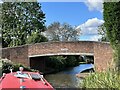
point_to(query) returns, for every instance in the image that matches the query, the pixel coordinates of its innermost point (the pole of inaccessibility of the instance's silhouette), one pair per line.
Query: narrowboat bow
(24, 80)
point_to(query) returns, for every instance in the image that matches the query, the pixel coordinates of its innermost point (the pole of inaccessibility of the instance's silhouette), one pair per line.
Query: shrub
(56, 62)
(61, 62)
(71, 61)
(109, 79)
(6, 66)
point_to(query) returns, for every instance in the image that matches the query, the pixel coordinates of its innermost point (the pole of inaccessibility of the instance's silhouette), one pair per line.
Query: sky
(87, 16)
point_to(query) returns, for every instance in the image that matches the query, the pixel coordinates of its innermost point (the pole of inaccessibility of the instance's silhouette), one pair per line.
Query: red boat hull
(13, 82)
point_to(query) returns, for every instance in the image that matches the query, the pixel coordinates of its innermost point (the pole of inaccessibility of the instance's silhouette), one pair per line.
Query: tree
(112, 24)
(19, 20)
(36, 38)
(102, 31)
(62, 32)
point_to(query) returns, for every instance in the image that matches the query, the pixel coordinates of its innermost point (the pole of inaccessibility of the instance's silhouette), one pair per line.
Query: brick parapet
(102, 51)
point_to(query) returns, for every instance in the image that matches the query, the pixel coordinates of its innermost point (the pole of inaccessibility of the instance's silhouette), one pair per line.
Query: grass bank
(109, 79)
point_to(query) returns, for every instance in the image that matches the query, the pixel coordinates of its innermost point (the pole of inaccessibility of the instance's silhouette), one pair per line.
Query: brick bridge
(29, 54)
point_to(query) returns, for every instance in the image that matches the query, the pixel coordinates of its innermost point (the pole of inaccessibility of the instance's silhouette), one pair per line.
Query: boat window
(21, 75)
(35, 76)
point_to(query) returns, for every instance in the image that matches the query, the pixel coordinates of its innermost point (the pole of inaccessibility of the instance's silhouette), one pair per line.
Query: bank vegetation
(109, 79)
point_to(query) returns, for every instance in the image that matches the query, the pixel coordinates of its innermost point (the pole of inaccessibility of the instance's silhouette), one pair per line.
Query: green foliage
(60, 62)
(19, 20)
(112, 21)
(117, 57)
(6, 66)
(112, 24)
(102, 31)
(36, 38)
(62, 32)
(71, 61)
(56, 62)
(108, 80)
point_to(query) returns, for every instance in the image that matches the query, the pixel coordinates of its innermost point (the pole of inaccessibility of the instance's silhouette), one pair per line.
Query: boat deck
(11, 81)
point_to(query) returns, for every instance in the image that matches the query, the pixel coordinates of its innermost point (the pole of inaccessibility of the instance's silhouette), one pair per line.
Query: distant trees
(102, 31)
(19, 21)
(112, 24)
(62, 32)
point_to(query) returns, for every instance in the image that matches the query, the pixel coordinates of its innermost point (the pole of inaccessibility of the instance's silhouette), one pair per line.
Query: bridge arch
(57, 54)
(102, 51)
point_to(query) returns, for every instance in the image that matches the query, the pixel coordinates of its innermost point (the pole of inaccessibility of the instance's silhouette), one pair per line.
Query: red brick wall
(102, 51)
(102, 56)
(17, 54)
(61, 47)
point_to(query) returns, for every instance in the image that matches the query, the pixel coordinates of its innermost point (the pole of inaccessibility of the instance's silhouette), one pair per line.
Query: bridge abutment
(103, 56)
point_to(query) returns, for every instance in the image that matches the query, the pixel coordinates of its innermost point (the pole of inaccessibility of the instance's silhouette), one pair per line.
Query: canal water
(67, 78)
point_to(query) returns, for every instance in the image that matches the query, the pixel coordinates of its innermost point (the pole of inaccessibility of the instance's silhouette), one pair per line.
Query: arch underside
(55, 54)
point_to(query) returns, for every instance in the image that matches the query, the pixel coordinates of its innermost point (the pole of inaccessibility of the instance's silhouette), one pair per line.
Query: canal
(67, 78)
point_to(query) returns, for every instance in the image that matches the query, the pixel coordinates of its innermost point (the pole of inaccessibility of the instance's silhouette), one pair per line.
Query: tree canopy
(62, 32)
(36, 38)
(102, 31)
(19, 21)
(112, 21)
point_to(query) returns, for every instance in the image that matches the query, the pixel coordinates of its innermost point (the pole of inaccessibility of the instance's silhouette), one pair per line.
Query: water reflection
(67, 78)
(63, 80)
(78, 69)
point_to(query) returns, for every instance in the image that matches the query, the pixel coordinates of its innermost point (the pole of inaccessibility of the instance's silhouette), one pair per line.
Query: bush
(61, 62)
(36, 37)
(71, 61)
(56, 62)
(6, 66)
(109, 79)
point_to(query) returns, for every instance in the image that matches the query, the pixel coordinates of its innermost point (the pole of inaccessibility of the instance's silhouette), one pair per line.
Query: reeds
(109, 79)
